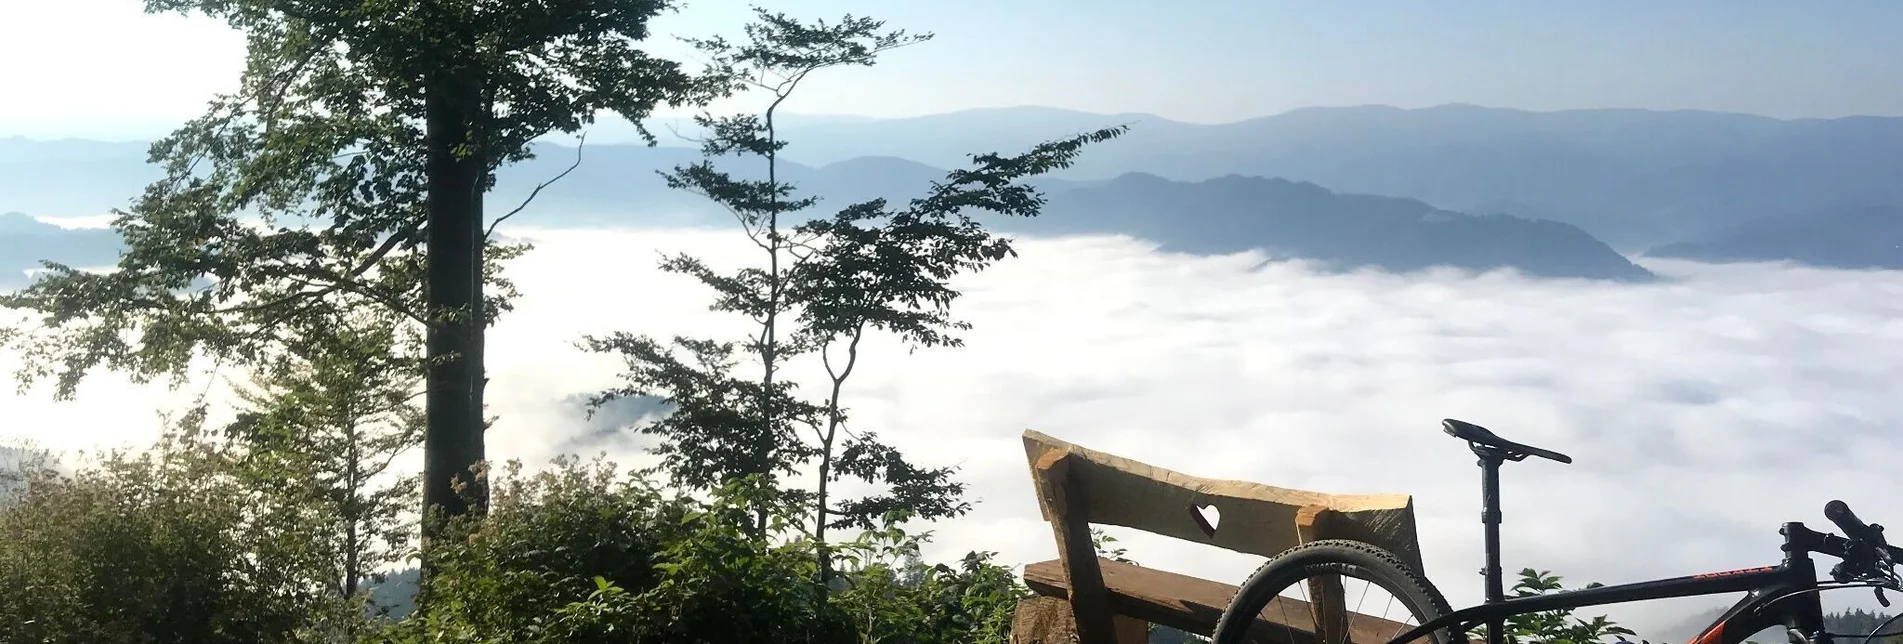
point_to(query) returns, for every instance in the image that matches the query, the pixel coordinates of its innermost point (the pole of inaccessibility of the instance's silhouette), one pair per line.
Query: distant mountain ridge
(1634, 179)
(25, 241)
(1864, 237)
(1222, 215)
(1345, 231)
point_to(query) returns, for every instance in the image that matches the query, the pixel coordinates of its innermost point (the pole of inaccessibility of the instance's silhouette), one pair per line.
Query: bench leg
(1048, 620)
(1329, 609)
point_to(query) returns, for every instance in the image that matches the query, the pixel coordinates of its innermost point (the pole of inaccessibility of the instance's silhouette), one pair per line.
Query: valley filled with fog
(1703, 408)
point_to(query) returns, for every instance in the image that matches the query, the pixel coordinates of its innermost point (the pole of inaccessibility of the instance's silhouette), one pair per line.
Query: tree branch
(355, 272)
(583, 140)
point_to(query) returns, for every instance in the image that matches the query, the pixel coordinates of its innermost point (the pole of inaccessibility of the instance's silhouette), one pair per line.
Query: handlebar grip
(1839, 513)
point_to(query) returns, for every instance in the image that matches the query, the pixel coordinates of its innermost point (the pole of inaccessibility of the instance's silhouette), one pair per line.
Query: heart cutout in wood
(1207, 517)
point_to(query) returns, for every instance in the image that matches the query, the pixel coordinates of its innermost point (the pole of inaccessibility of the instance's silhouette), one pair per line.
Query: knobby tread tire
(1302, 562)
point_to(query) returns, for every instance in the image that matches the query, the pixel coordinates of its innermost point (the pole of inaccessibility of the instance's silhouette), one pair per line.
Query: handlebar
(1839, 513)
(1864, 553)
(1841, 548)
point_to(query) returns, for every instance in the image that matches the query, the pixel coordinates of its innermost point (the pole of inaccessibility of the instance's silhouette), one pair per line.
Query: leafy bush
(895, 597)
(582, 553)
(156, 547)
(544, 539)
(1557, 626)
(169, 546)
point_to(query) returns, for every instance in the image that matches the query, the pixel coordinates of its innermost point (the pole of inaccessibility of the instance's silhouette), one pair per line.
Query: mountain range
(1558, 194)
(24, 241)
(1635, 178)
(1863, 237)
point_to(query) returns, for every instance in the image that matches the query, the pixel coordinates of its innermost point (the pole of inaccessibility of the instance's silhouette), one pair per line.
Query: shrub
(150, 548)
(545, 538)
(1557, 626)
(581, 553)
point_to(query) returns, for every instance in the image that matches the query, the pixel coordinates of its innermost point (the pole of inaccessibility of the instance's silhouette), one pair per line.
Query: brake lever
(1885, 566)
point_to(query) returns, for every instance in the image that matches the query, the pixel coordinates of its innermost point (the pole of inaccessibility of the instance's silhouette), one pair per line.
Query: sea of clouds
(1702, 411)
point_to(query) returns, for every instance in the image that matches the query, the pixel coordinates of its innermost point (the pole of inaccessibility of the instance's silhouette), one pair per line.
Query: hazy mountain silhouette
(1635, 178)
(619, 184)
(1235, 213)
(1859, 237)
(24, 241)
(1229, 214)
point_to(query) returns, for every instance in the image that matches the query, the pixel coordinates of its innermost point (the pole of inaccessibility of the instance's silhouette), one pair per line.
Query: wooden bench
(1108, 602)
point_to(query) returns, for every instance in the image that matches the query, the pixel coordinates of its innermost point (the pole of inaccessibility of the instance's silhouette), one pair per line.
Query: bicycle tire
(1332, 557)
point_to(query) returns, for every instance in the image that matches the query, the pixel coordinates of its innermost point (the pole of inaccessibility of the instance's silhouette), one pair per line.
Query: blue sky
(100, 67)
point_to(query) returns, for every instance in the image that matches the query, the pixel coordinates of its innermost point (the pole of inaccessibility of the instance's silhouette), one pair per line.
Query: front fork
(1798, 637)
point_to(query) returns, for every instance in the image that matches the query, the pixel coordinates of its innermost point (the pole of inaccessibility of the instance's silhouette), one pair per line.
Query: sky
(104, 69)
(1702, 411)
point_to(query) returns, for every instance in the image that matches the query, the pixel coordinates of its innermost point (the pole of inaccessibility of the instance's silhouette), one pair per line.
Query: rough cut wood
(1089, 601)
(1254, 518)
(1330, 613)
(1194, 605)
(1048, 620)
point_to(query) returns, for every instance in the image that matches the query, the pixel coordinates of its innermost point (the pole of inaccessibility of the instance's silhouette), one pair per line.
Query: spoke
(1384, 615)
(1287, 623)
(1346, 620)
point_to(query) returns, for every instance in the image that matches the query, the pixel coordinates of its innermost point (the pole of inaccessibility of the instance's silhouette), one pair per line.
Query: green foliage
(584, 554)
(313, 224)
(1100, 541)
(178, 544)
(545, 537)
(1558, 626)
(818, 289)
(348, 168)
(323, 423)
(893, 596)
(156, 547)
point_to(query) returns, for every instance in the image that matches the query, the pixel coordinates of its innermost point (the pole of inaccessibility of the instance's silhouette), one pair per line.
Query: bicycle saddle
(1478, 435)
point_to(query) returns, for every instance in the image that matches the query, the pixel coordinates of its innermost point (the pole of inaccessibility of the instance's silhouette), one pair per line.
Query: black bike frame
(1785, 594)
(1780, 595)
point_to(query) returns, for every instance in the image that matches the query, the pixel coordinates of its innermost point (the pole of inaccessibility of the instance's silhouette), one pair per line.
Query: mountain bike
(1782, 595)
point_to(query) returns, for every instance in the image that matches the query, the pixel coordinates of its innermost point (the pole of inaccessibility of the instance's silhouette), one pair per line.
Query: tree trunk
(351, 509)
(453, 434)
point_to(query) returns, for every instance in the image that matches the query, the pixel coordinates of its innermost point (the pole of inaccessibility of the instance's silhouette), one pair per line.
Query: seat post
(1490, 460)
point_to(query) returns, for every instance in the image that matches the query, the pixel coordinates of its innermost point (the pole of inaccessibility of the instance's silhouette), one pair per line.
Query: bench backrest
(1251, 517)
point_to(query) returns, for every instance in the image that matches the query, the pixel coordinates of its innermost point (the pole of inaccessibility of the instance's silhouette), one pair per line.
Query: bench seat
(1193, 604)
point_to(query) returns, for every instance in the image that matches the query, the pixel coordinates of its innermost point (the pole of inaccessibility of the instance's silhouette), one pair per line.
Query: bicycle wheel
(1278, 593)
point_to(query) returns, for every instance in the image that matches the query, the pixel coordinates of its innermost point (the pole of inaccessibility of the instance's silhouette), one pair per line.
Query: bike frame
(1785, 594)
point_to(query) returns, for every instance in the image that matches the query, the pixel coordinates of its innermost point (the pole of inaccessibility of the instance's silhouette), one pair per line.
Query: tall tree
(819, 286)
(322, 425)
(352, 159)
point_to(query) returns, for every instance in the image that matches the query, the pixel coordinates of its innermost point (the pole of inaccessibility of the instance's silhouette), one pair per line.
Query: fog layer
(1702, 411)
